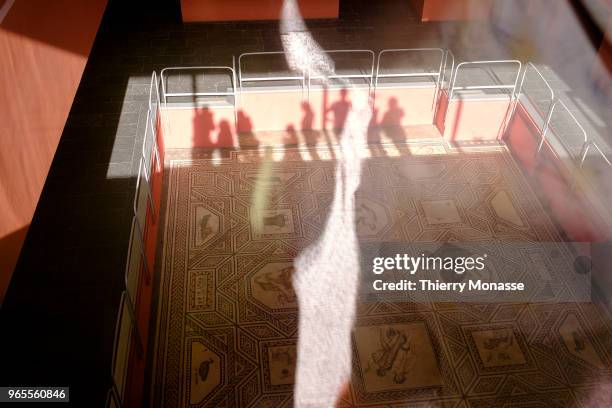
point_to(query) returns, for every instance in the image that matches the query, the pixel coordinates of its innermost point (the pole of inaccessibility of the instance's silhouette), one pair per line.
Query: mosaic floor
(227, 327)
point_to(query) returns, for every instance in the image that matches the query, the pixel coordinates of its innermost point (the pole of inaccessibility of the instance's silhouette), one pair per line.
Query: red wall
(449, 10)
(571, 210)
(44, 47)
(231, 10)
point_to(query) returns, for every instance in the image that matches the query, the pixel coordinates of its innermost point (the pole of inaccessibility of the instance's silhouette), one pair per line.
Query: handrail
(136, 227)
(241, 79)
(117, 337)
(233, 93)
(147, 176)
(547, 127)
(492, 62)
(578, 160)
(412, 74)
(454, 75)
(438, 75)
(153, 82)
(148, 156)
(349, 76)
(537, 71)
(199, 68)
(448, 54)
(552, 93)
(149, 161)
(601, 153)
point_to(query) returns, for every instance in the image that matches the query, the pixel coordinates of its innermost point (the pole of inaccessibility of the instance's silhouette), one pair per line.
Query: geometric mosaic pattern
(228, 315)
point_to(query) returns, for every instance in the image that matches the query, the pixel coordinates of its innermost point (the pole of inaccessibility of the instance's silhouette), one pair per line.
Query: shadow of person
(374, 140)
(224, 137)
(311, 136)
(391, 122)
(308, 118)
(203, 124)
(244, 130)
(340, 110)
(290, 138)
(244, 125)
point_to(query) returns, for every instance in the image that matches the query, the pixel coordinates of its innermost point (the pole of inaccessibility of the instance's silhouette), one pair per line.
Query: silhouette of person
(244, 126)
(203, 125)
(291, 138)
(392, 121)
(244, 122)
(224, 137)
(394, 114)
(373, 128)
(340, 110)
(308, 118)
(311, 136)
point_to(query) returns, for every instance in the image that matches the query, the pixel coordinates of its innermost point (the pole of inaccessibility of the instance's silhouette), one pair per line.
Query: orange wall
(231, 10)
(44, 47)
(449, 10)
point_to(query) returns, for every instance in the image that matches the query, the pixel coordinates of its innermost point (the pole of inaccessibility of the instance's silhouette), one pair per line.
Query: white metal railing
(436, 75)
(433, 74)
(166, 94)
(137, 264)
(370, 75)
(576, 159)
(500, 86)
(293, 76)
(304, 77)
(547, 114)
(598, 153)
(448, 56)
(127, 331)
(367, 76)
(125, 327)
(488, 65)
(530, 67)
(194, 94)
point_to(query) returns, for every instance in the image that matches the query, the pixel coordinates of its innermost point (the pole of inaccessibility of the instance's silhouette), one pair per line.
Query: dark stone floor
(58, 318)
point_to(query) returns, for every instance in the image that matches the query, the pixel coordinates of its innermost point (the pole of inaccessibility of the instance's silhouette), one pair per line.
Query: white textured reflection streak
(326, 282)
(327, 272)
(303, 53)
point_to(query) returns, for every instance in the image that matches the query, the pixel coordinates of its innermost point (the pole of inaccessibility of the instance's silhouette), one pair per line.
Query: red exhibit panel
(571, 208)
(451, 10)
(472, 119)
(231, 10)
(137, 363)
